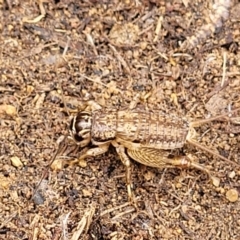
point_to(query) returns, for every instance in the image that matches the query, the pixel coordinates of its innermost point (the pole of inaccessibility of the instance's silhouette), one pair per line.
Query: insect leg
(150, 156)
(92, 152)
(127, 163)
(160, 158)
(189, 162)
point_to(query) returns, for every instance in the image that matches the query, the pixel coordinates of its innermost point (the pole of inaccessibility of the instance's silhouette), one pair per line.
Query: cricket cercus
(142, 135)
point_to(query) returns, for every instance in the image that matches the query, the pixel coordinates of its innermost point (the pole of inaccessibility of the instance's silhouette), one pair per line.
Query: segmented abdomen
(149, 128)
(152, 129)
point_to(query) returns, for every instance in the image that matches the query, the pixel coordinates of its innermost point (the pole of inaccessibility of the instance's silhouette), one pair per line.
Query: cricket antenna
(200, 146)
(59, 149)
(222, 116)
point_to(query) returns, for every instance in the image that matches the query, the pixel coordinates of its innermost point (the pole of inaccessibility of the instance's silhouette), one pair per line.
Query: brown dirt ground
(51, 54)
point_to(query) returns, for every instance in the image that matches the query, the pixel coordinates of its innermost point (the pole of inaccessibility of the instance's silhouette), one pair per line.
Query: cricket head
(80, 128)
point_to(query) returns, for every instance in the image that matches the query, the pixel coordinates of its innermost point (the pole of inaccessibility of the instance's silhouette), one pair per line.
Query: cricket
(142, 135)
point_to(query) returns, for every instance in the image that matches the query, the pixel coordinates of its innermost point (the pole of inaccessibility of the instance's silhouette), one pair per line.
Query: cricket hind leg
(160, 159)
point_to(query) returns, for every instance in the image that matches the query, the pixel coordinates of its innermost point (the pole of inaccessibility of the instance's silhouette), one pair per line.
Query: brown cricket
(142, 135)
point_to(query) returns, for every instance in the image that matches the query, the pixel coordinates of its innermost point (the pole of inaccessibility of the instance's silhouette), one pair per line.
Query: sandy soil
(54, 54)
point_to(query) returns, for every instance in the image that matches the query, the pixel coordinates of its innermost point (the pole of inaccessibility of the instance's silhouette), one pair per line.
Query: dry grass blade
(84, 223)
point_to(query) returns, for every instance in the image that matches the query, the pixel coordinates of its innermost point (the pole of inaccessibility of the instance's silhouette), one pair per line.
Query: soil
(180, 57)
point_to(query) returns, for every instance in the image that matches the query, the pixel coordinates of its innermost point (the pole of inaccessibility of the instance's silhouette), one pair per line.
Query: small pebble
(16, 162)
(86, 193)
(215, 181)
(82, 163)
(38, 198)
(148, 176)
(232, 195)
(232, 174)
(8, 109)
(57, 165)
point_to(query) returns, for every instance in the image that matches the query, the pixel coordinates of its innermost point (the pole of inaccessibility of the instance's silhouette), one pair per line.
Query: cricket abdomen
(152, 129)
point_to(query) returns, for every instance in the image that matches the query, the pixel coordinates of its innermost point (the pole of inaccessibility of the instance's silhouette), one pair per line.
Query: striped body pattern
(151, 129)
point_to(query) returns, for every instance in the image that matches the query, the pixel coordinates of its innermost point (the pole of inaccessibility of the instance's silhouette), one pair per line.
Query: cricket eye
(83, 122)
(80, 126)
